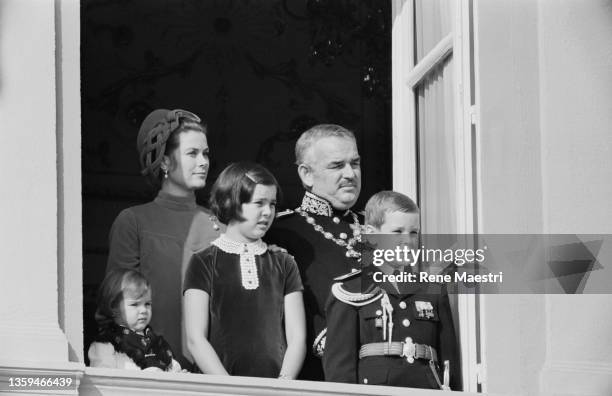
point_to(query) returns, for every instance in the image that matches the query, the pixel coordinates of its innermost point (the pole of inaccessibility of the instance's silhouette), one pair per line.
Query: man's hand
(277, 249)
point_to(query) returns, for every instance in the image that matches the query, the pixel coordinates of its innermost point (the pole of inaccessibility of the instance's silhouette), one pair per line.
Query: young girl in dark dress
(243, 306)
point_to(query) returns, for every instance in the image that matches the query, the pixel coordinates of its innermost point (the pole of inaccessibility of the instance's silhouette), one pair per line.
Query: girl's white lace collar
(247, 252)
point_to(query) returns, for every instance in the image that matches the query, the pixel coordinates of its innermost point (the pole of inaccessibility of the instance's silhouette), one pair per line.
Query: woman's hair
(387, 201)
(116, 284)
(235, 186)
(159, 135)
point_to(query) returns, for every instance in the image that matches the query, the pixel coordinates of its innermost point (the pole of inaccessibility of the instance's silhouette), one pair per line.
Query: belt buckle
(409, 350)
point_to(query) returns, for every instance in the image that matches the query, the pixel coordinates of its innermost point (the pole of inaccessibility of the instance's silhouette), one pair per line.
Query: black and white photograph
(306, 197)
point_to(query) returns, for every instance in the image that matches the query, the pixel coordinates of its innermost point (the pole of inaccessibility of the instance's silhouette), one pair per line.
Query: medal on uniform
(424, 309)
(378, 322)
(429, 314)
(420, 307)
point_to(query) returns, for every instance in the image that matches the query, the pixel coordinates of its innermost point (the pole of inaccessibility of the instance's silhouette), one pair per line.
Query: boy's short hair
(387, 201)
(235, 186)
(115, 284)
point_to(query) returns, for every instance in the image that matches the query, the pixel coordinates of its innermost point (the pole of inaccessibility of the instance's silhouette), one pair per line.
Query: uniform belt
(407, 349)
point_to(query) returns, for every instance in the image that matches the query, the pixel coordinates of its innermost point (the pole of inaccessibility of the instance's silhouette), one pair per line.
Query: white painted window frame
(103, 381)
(406, 77)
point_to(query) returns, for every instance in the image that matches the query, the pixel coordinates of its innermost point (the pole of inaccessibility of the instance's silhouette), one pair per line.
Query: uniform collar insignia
(314, 204)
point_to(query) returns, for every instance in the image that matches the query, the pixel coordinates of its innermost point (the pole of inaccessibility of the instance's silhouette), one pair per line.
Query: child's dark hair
(235, 186)
(115, 284)
(387, 201)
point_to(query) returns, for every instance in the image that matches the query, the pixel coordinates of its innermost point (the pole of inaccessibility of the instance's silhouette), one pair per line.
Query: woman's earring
(165, 173)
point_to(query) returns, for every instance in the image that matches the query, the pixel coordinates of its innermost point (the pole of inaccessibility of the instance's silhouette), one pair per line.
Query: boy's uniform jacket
(417, 318)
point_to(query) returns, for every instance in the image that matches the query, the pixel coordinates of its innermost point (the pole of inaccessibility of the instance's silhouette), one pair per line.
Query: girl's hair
(235, 186)
(387, 201)
(116, 284)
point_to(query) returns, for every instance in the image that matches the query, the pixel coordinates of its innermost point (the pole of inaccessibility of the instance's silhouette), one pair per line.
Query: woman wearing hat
(157, 237)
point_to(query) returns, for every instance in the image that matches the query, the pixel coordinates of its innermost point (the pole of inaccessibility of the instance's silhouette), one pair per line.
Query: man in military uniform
(321, 233)
(391, 333)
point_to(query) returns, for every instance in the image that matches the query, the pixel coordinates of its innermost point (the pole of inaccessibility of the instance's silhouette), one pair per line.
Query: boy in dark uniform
(321, 233)
(391, 333)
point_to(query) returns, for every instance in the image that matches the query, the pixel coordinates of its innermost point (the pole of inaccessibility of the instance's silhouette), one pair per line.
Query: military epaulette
(284, 213)
(355, 299)
(349, 275)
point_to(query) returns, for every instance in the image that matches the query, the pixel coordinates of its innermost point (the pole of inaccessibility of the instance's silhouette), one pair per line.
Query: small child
(125, 339)
(383, 337)
(243, 307)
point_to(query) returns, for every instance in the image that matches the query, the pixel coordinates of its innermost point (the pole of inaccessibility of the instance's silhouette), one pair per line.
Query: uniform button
(402, 304)
(365, 380)
(405, 323)
(378, 312)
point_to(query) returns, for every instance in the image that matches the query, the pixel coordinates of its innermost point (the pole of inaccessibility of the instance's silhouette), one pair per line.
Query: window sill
(98, 381)
(102, 381)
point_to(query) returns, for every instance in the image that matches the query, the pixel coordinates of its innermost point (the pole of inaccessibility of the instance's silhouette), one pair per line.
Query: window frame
(69, 213)
(406, 77)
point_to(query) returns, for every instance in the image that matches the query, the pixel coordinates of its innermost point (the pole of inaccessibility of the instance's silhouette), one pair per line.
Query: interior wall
(576, 107)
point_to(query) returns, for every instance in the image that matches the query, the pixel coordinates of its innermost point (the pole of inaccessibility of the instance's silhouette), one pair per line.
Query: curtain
(435, 121)
(436, 142)
(432, 23)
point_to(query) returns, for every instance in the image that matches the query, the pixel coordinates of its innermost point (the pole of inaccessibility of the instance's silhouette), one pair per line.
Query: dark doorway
(258, 72)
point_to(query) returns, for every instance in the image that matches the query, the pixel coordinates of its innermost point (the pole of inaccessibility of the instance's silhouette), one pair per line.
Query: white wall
(29, 327)
(576, 128)
(507, 82)
(576, 103)
(545, 95)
